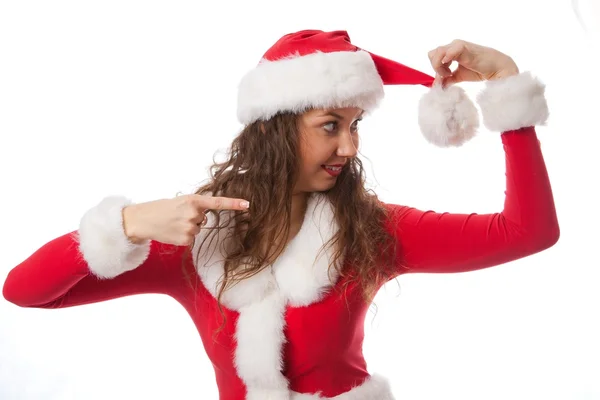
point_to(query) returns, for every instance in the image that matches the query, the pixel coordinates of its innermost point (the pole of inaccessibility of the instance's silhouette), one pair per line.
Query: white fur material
(298, 277)
(513, 103)
(374, 388)
(302, 272)
(298, 274)
(259, 337)
(320, 80)
(102, 240)
(447, 116)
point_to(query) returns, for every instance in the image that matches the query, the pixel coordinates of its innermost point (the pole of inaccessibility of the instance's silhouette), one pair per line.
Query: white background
(134, 97)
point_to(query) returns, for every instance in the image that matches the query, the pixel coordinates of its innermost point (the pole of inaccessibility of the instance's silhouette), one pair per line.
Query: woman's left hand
(475, 63)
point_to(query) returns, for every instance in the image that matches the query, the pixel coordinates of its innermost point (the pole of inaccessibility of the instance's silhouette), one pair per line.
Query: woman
(277, 258)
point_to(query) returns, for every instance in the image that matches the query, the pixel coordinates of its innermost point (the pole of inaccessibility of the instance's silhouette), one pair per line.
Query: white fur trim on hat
(447, 116)
(319, 80)
(103, 243)
(513, 103)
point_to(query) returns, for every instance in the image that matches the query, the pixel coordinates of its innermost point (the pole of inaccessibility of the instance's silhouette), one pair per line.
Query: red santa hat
(317, 69)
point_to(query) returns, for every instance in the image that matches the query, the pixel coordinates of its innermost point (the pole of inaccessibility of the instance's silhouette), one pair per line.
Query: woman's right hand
(173, 221)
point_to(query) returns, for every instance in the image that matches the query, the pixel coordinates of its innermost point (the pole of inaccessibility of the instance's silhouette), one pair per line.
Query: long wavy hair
(262, 166)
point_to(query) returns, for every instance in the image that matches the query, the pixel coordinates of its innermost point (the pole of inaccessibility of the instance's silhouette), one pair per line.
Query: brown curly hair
(262, 166)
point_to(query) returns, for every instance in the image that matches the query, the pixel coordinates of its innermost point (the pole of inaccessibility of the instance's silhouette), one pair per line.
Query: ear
(262, 128)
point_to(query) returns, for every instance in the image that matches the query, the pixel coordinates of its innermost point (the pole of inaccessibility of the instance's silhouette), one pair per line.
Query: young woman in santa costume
(277, 258)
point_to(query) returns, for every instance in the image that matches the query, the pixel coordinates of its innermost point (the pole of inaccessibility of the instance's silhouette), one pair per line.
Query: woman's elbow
(10, 293)
(544, 237)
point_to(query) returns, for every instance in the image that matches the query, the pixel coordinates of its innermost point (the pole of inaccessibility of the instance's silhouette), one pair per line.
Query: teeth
(333, 168)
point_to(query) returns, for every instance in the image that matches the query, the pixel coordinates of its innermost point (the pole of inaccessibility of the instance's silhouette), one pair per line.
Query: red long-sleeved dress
(287, 334)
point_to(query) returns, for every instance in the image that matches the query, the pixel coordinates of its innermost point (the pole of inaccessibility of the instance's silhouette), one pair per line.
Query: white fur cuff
(513, 103)
(103, 243)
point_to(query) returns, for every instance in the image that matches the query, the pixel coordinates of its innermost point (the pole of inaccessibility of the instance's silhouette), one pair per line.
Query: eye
(354, 126)
(330, 126)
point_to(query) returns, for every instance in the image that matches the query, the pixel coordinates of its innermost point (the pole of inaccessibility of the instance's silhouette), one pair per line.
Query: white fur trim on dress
(300, 276)
(103, 243)
(319, 80)
(513, 103)
(375, 387)
(447, 116)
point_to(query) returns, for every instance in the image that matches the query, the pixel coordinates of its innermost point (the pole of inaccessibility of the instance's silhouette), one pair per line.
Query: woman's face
(328, 140)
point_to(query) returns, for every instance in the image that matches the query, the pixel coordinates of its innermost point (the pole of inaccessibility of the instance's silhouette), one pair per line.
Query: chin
(315, 188)
(323, 187)
(319, 184)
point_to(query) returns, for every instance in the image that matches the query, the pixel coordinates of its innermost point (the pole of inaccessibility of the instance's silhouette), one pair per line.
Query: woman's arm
(444, 242)
(96, 263)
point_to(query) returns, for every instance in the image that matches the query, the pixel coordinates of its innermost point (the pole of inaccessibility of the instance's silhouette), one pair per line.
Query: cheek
(314, 151)
(310, 161)
(305, 155)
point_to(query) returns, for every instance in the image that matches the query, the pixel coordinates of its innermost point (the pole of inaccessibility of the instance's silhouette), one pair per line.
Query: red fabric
(56, 276)
(394, 73)
(444, 242)
(323, 352)
(324, 340)
(307, 42)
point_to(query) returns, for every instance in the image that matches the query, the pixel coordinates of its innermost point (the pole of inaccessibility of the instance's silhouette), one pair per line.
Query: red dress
(289, 333)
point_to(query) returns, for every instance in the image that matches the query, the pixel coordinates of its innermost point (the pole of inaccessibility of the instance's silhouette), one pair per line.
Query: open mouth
(333, 170)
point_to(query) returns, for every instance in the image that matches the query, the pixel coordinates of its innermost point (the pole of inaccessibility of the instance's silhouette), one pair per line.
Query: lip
(333, 173)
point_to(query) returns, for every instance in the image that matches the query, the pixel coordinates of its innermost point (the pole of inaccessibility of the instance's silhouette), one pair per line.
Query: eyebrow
(338, 116)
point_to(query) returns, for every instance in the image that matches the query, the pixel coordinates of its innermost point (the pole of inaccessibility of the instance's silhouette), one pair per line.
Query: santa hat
(317, 69)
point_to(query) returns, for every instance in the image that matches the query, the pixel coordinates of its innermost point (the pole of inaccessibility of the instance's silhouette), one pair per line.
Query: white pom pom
(447, 117)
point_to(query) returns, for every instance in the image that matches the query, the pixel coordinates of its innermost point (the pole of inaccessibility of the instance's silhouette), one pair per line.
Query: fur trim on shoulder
(102, 241)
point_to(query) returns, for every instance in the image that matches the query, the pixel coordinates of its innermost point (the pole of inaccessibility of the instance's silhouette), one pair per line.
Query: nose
(347, 146)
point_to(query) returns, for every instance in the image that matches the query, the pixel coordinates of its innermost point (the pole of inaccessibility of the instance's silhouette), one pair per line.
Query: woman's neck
(299, 203)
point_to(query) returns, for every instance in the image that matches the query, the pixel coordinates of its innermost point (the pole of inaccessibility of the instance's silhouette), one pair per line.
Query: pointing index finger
(223, 203)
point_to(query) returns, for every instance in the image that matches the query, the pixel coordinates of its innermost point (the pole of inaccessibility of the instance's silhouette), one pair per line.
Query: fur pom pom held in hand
(447, 116)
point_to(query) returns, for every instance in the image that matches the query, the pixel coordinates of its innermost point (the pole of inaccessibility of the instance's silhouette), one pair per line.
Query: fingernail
(244, 204)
